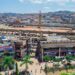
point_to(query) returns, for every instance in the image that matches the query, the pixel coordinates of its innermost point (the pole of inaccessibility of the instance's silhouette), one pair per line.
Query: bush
(64, 73)
(57, 59)
(67, 73)
(46, 69)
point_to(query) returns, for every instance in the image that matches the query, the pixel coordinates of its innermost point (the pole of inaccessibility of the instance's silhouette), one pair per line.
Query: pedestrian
(40, 69)
(35, 71)
(31, 73)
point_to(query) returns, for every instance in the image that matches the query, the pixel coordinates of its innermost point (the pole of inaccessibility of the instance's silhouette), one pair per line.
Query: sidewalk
(35, 68)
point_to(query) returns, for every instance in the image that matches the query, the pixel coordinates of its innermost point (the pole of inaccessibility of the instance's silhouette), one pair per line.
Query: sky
(34, 6)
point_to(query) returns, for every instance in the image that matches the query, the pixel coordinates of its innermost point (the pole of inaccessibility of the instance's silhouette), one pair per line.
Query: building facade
(57, 46)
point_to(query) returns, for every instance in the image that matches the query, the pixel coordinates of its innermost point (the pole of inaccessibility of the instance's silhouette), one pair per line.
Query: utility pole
(59, 52)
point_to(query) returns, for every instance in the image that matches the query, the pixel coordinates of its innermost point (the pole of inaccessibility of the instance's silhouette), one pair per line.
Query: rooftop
(55, 38)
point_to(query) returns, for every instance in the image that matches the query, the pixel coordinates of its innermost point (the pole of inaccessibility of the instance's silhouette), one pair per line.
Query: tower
(39, 51)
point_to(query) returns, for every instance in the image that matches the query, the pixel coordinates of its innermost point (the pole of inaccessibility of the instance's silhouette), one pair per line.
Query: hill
(50, 18)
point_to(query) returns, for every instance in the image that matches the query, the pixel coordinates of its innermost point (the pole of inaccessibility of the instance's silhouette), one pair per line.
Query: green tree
(56, 66)
(52, 69)
(57, 59)
(7, 62)
(0, 74)
(26, 61)
(46, 59)
(17, 72)
(46, 70)
(69, 58)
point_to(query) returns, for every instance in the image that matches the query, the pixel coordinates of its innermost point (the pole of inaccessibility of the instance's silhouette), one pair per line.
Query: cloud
(33, 1)
(45, 9)
(47, 1)
(37, 1)
(21, 1)
(73, 0)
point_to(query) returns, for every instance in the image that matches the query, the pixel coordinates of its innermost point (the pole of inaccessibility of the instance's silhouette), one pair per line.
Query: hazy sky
(28, 6)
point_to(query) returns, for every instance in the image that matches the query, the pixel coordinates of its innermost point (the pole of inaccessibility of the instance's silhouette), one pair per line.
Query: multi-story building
(6, 47)
(57, 46)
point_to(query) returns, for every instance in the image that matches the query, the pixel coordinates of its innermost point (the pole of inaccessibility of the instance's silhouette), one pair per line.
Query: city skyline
(33, 6)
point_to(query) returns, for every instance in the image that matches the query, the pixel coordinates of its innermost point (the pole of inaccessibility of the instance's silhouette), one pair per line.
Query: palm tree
(26, 61)
(17, 72)
(7, 62)
(16, 68)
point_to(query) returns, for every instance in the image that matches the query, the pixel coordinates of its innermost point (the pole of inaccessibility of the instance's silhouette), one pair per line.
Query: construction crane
(40, 25)
(39, 49)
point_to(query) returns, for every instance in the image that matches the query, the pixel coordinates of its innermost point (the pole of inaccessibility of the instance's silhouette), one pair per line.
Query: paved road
(35, 68)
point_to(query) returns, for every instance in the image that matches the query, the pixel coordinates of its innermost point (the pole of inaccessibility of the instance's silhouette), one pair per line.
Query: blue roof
(1, 49)
(9, 49)
(3, 37)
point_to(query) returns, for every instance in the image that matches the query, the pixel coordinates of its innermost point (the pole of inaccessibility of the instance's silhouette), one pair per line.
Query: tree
(67, 62)
(26, 61)
(56, 66)
(0, 74)
(68, 58)
(7, 62)
(52, 69)
(57, 59)
(17, 72)
(46, 70)
(46, 59)
(67, 66)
